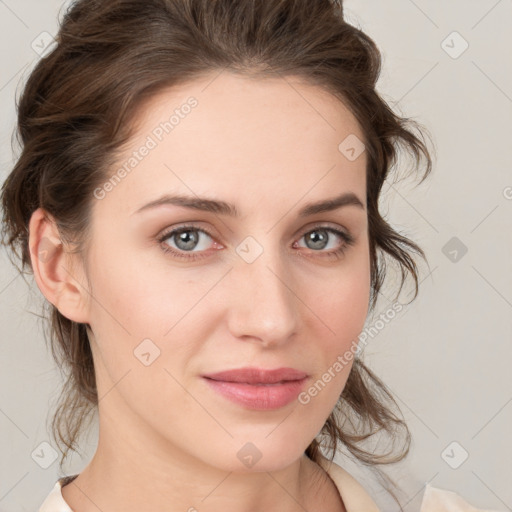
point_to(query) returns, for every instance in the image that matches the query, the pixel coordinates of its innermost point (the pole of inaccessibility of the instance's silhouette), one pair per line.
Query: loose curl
(74, 115)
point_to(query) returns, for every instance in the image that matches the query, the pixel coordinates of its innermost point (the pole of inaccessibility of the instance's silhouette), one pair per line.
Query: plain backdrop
(447, 355)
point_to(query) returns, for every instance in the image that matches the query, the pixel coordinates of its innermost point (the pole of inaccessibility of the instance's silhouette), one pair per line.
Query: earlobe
(55, 268)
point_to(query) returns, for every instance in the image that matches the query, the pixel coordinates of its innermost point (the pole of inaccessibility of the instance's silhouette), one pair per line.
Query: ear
(58, 273)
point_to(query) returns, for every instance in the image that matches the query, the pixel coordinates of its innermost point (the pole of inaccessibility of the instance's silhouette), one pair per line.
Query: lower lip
(259, 396)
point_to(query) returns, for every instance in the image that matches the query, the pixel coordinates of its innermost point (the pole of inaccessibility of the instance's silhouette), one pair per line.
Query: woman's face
(268, 288)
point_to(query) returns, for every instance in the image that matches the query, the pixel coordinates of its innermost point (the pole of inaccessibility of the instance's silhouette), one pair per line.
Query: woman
(197, 196)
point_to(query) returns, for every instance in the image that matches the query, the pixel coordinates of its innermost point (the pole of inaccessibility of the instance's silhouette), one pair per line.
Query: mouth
(258, 389)
(258, 375)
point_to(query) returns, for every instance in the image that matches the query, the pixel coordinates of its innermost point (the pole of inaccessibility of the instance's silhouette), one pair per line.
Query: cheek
(341, 309)
(132, 311)
(140, 314)
(126, 308)
(342, 301)
(136, 299)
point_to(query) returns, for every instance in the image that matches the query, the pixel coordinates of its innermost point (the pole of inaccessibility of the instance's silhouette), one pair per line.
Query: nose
(263, 305)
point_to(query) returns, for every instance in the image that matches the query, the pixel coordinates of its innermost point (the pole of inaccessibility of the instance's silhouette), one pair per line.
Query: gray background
(447, 355)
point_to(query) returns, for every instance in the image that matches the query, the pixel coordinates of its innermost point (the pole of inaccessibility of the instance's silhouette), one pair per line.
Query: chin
(260, 454)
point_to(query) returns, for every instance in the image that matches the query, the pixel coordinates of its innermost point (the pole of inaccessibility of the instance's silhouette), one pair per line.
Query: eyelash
(336, 254)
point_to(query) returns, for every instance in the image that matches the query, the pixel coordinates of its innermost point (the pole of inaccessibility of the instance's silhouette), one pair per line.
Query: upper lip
(258, 375)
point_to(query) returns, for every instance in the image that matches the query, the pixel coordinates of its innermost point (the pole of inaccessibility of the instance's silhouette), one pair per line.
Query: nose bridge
(263, 304)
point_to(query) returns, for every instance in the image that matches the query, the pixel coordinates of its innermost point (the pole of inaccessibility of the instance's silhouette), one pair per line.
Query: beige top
(353, 494)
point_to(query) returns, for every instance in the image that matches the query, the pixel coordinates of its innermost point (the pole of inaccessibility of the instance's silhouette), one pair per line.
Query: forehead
(229, 135)
(236, 105)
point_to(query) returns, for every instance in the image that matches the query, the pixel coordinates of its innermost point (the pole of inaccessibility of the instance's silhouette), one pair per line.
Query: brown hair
(74, 115)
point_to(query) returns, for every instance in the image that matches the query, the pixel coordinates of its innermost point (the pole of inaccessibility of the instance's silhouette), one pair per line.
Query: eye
(320, 237)
(185, 239)
(194, 241)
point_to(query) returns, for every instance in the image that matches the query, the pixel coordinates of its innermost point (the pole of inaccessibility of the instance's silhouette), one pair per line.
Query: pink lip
(257, 388)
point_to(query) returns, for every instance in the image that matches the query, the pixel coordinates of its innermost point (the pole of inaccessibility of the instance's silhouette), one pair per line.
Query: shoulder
(54, 502)
(354, 495)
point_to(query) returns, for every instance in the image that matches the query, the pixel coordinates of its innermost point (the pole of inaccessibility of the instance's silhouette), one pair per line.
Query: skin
(166, 440)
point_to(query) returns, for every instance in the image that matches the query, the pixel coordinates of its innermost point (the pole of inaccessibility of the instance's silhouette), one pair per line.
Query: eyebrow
(223, 208)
